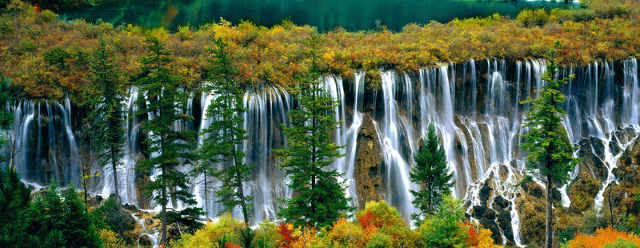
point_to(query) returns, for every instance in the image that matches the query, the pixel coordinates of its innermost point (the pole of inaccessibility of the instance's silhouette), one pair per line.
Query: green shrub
(533, 17)
(380, 240)
(111, 239)
(114, 217)
(621, 243)
(444, 229)
(25, 45)
(266, 236)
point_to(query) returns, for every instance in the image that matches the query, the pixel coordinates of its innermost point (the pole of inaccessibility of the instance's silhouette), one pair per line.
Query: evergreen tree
(62, 222)
(169, 147)
(15, 199)
(225, 136)
(319, 197)
(549, 152)
(430, 172)
(106, 119)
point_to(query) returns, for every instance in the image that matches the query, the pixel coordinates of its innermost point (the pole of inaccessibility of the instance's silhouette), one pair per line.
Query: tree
(319, 197)
(62, 221)
(225, 136)
(444, 228)
(431, 173)
(6, 117)
(549, 152)
(169, 147)
(15, 199)
(106, 118)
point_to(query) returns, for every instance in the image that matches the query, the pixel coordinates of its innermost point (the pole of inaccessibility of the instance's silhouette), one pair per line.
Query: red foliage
(366, 220)
(232, 245)
(36, 8)
(472, 235)
(287, 238)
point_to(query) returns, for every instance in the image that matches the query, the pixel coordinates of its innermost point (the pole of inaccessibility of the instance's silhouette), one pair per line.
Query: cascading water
(474, 107)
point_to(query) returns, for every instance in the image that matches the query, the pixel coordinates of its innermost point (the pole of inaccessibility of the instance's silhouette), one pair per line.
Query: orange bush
(602, 237)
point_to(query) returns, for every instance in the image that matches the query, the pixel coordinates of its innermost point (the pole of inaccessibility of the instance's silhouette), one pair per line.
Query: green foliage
(62, 220)
(105, 128)
(110, 239)
(165, 100)
(114, 217)
(266, 236)
(432, 174)
(56, 56)
(226, 229)
(379, 214)
(379, 240)
(621, 243)
(534, 17)
(549, 151)
(222, 145)
(14, 210)
(6, 97)
(319, 199)
(444, 229)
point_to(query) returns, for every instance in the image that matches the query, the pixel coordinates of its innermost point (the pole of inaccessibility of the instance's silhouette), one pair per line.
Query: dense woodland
(45, 58)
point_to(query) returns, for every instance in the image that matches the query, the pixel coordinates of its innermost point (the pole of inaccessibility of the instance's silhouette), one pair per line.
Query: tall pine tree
(549, 152)
(169, 146)
(430, 172)
(225, 136)
(15, 198)
(319, 197)
(106, 119)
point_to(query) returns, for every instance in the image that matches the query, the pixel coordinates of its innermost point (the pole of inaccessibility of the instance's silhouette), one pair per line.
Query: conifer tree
(169, 147)
(319, 197)
(106, 118)
(61, 221)
(430, 172)
(549, 152)
(225, 136)
(15, 200)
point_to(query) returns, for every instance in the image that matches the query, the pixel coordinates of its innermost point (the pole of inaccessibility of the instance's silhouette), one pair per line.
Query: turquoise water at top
(352, 15)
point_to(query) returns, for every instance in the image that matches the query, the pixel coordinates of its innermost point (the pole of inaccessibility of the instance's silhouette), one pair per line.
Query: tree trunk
(114, 167)
(549, 218)
(163, 239)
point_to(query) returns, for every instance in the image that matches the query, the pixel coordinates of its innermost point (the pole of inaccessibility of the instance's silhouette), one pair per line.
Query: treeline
(605, 30)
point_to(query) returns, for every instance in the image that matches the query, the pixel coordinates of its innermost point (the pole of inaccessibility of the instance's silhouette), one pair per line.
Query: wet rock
(145, 240)
(368, 164)
(485, 193)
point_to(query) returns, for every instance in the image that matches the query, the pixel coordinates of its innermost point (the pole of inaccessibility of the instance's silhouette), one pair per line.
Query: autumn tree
(222, 145)
(106, 118)
(431, 173)
(549, 152)
(319, 197)
(169, 147)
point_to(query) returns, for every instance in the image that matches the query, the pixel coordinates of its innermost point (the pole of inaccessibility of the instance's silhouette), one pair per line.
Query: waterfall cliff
(475, 107)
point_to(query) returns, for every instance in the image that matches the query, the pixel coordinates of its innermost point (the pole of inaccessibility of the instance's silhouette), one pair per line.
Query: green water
(324, 14)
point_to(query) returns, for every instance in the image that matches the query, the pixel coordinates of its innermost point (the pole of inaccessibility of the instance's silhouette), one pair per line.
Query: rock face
(368, 165)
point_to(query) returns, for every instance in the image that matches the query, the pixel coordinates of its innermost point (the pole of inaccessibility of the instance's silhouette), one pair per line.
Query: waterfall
(476, 112)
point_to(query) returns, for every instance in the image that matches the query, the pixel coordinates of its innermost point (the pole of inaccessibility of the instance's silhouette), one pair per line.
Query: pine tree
(549, 152)
(430, 172)
(106, 120)
(169, 147)
(225, 136)
(61, 221)
(319, 197)
(15, 199)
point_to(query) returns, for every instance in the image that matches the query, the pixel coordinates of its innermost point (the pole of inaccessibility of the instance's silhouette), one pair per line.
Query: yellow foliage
(110, 239)
(346, 234)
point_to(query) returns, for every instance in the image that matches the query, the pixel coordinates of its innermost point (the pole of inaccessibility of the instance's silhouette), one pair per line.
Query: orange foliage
(232, 245)
(602, 237)
(478, 237)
